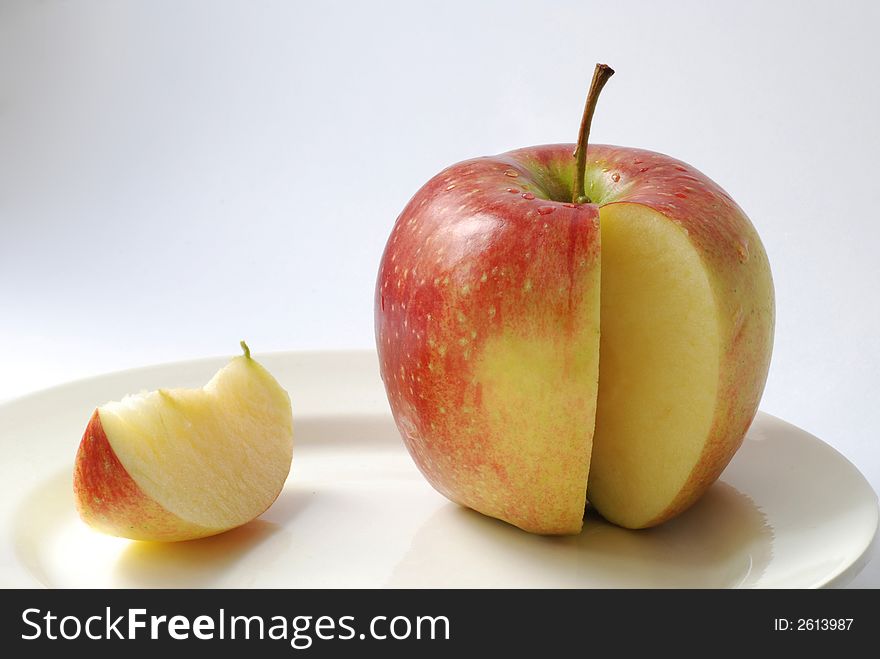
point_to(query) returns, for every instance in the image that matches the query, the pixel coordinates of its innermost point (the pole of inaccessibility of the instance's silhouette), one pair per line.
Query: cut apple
(487, 305)
(187, 463)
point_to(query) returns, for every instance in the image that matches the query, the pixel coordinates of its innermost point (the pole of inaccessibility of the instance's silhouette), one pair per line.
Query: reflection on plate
(788, 512)
(723, 541)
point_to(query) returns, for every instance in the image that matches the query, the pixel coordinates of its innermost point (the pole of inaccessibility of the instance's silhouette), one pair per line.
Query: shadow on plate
(345, 432)
(39, 527)
(722, 541)
(209, 561)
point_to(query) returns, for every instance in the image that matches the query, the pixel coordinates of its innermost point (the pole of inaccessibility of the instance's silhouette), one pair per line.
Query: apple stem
(244, 347)
(600, 77)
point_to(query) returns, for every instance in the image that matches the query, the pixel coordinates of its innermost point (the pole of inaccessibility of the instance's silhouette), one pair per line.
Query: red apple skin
(108, 499)
(473, 255)
(464, 223)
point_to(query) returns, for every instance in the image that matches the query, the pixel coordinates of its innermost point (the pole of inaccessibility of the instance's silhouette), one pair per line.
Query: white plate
(789, 511)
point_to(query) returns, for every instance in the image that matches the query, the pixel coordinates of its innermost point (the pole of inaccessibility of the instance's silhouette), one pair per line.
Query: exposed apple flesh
(186, 463)
(661, 351)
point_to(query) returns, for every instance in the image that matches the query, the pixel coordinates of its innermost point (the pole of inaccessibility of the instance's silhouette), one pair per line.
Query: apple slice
(181, 464)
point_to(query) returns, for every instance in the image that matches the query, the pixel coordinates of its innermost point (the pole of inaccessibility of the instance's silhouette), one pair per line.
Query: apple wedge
(181, 464)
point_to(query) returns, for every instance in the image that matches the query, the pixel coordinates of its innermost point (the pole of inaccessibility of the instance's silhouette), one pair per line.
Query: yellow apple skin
(108, 499)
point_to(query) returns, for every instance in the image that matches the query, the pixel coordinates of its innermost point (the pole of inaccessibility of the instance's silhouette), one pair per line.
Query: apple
(181, 464)
(544, 320)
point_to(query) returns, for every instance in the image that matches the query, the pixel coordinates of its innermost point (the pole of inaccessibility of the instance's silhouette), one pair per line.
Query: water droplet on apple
(513, 190)
(545, 210)
(681, 195)
(637, 161)
(642, 170)
(680, 168)
(742, 249)
(450, 186)
(615, 177)
(569, 205)
(528, 195)
(512, 173)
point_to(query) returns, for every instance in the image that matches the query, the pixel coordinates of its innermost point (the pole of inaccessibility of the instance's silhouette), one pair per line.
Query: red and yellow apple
(181, 464)
(552, 329)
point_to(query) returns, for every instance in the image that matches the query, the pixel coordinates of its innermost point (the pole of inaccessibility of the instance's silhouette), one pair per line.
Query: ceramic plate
(789, 511)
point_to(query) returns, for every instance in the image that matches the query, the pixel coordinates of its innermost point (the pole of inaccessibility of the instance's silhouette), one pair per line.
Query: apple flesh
(181, 464)
(487, 311)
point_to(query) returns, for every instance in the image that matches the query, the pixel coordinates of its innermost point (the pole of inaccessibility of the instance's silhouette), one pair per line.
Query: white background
(177, 176)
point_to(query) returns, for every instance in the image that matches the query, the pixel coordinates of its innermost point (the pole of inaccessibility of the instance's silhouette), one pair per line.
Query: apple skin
(474, 263)
(459, 256)
(108, 499)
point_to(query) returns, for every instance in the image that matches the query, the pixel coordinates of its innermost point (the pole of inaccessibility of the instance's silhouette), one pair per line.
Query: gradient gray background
(176, 176)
